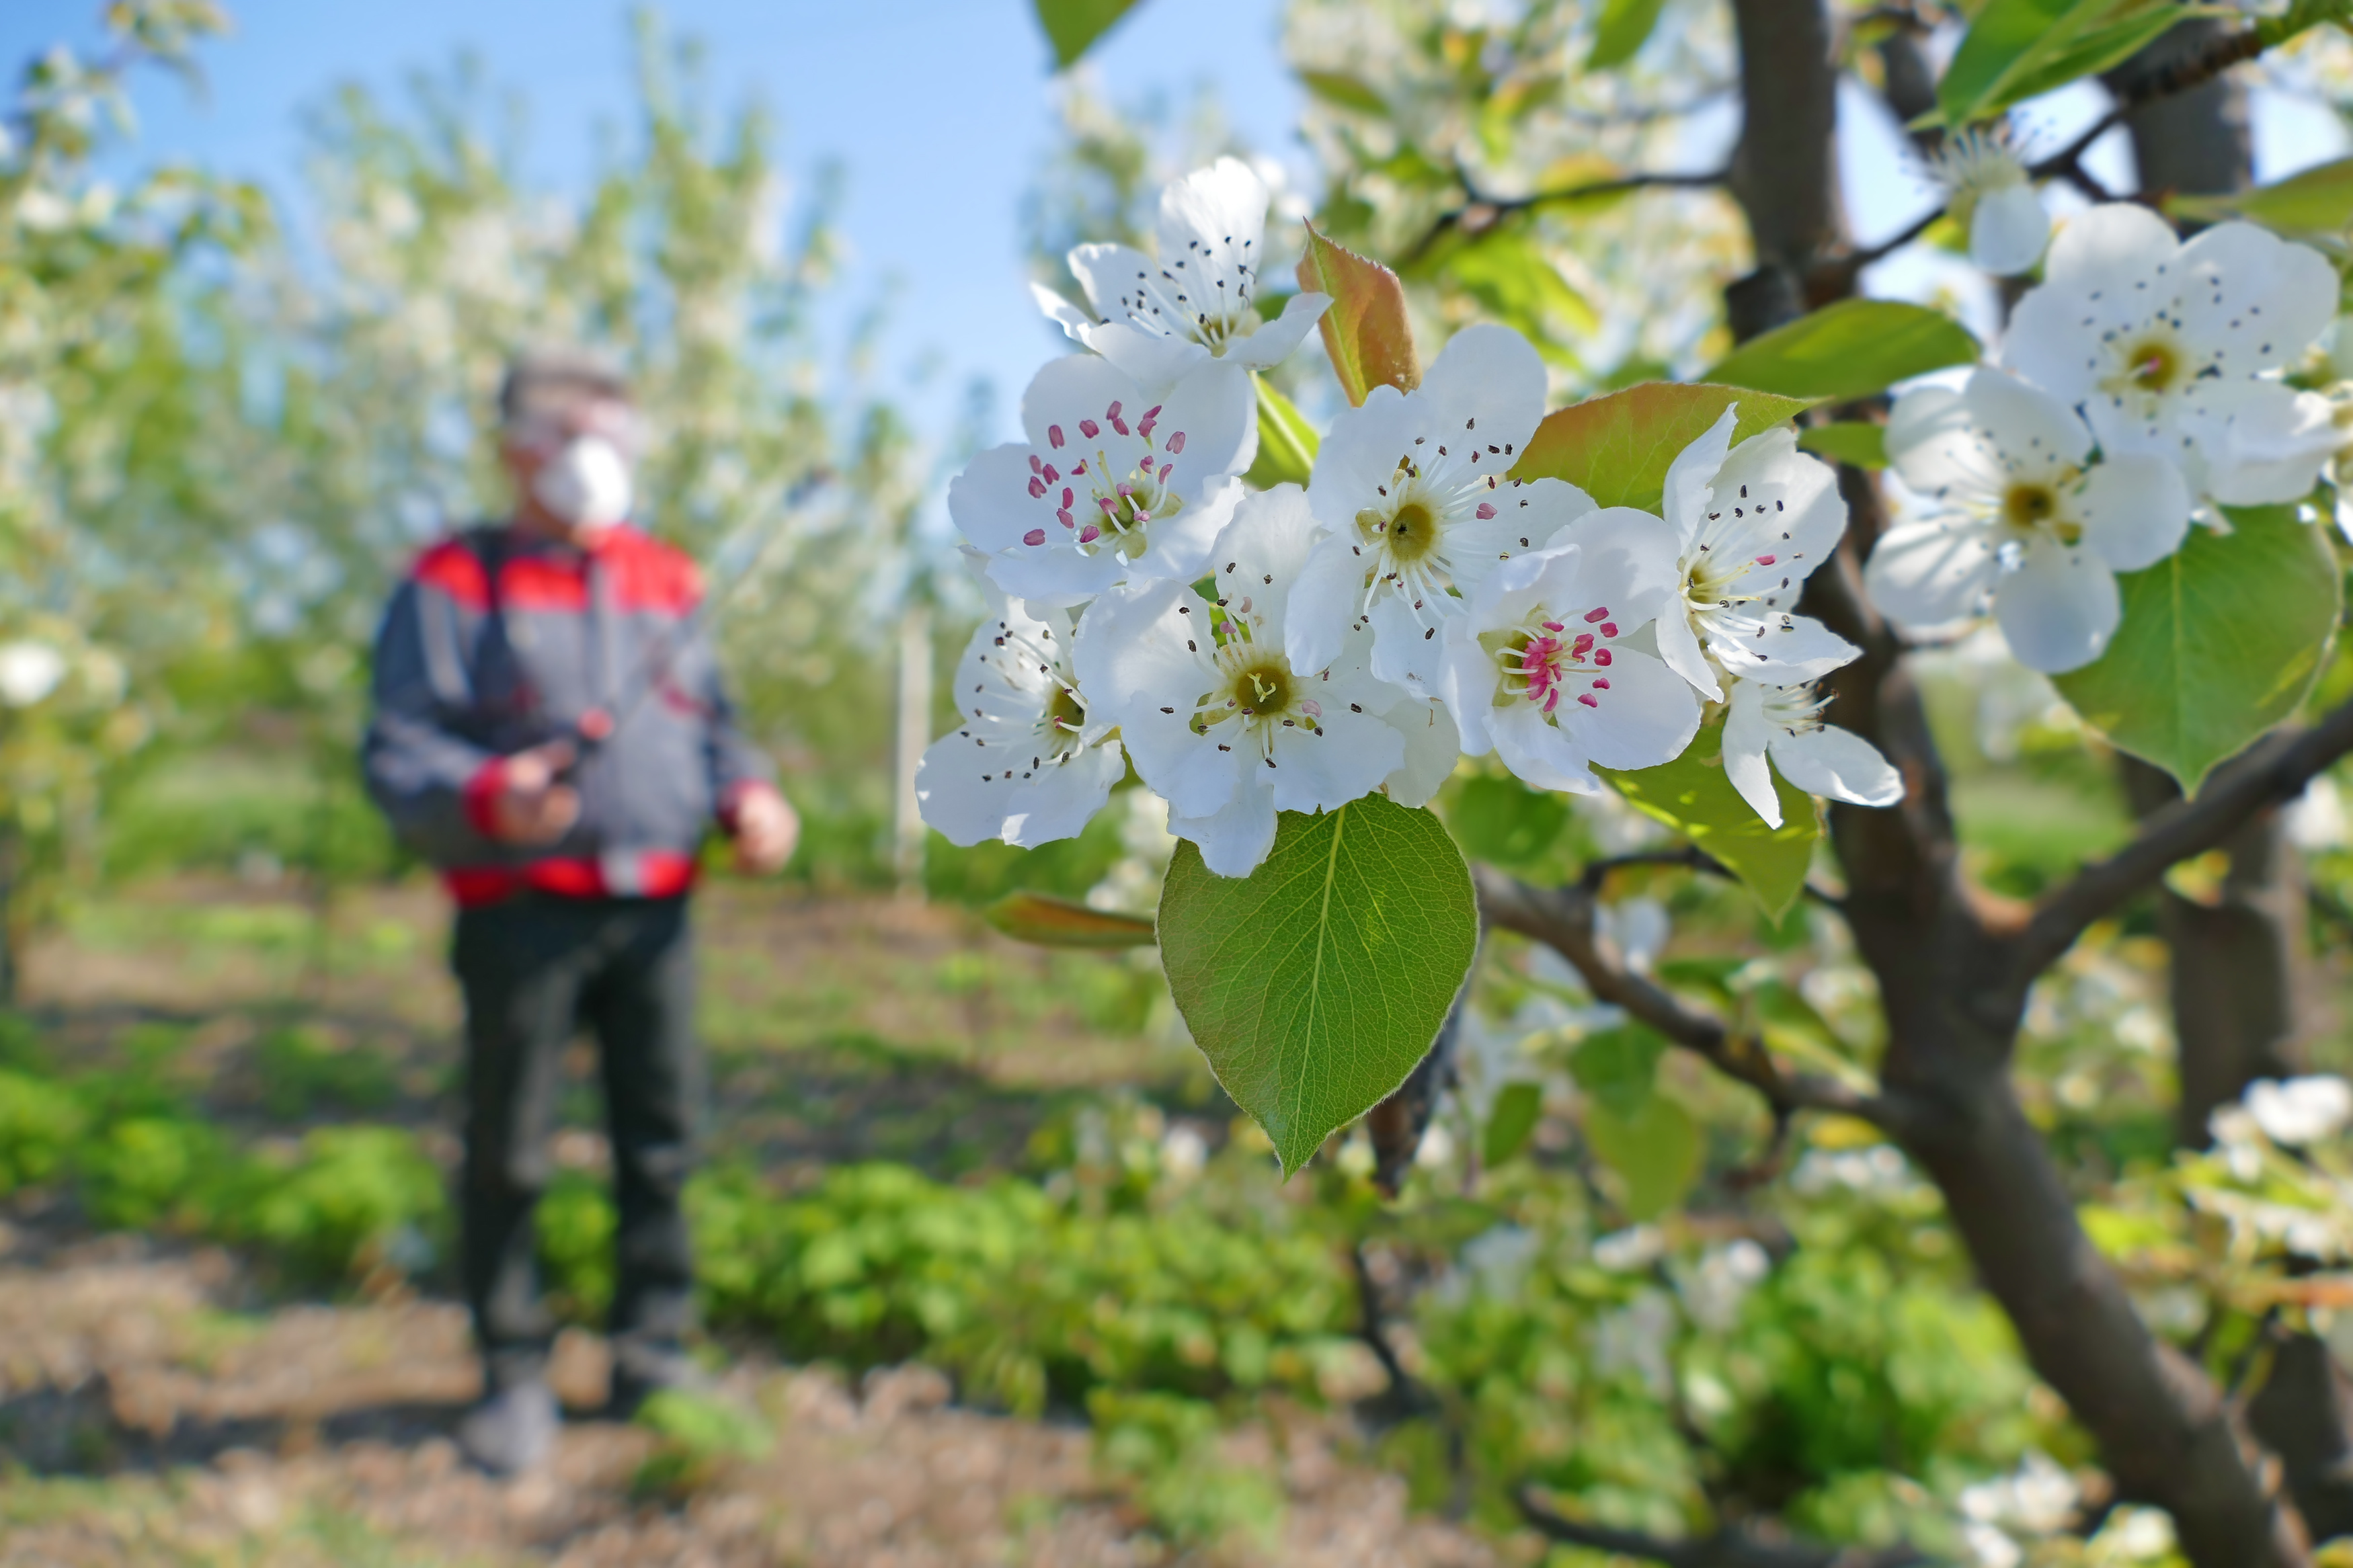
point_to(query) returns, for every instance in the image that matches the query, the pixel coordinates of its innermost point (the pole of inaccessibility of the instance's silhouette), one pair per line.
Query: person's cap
(537, 377)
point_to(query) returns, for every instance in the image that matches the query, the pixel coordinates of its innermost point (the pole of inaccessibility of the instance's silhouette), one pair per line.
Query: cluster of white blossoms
(2141, 384)
(1253, 652)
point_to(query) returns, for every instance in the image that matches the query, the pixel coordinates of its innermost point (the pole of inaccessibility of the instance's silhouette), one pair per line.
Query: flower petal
(1133, 662)
(2059, 608)
(1647, 715)
(1061, 801)
(1279, 338)
(1359, 455)
(989, 502)
(1925, 573)
(1837, 764)
(1489, 375)
(1076, 323)
(2264, 442)
(1154, 360)
(1791, 649)
(2135, 511)
(1235, 838)
(1259, 559)
(1747, 733)
(2252, 300)
(1406, 650)
(2008, 230)
(1324, 602)
(1690, 474)
(1432, 745)
(1779, 511)
(1539, 754)
(1108, 273)
(2098, 282)
(1222, 205)
(1348, 760)
(1679, 646)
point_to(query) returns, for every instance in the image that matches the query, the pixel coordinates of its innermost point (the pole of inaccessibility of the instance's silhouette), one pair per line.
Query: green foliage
(1857, 443)
(1624, 28)
(1654, 1149)
(1050, 922)
(1315, 983)
(1617, 448)
(2317, 204)
(2220, 641)
(1848, 349)
(1507, 271)
(1166, 1447)
(577, 1224)
(350, 1200)
(697, 1436)
(39, 1124)
(1073, 25)
(1498, 819)
(301, 1069)
(1692, 795)
(1367, 330)
(1518, 1108)
(146, 1171)
(1286, 441)
(2017, 49)
(990, 871)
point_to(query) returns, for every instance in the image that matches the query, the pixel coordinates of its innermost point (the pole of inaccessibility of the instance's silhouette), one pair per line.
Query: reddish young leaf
(1366, 331)
(1617, 448)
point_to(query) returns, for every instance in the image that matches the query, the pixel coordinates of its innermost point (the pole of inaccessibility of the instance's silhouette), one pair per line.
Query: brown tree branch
(2273, 773)
(1480, 213)
(1563, 920)
(1727, 1548)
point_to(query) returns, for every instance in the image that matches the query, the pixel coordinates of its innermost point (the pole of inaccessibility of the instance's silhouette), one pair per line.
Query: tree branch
(1562, 919)
(1727, 1548)
(1480, 213)
(2276, 772)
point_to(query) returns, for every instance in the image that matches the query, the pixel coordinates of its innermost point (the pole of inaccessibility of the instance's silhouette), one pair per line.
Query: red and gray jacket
(499, 641)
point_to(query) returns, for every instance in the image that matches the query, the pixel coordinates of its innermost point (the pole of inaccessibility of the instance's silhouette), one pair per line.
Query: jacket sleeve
(735, 762)
(430, 781)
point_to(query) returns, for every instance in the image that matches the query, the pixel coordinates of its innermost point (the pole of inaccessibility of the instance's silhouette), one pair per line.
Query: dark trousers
(534, 968)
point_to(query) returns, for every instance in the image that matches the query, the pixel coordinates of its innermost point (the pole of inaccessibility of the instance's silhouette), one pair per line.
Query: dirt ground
(156, 1409)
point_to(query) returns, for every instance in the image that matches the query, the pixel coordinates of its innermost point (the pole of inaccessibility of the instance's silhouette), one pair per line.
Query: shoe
(640, 1372)
(512, 1431)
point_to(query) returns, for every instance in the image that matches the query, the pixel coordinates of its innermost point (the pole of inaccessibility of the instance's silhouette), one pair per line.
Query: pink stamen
(1486, 511)
(1554, 626)
(1080, 469)
(1601, 656)
(1113, 412)
(1089, 429)
(1121, 425)
(1035, 536)
(1177, 443)
(1765, 560)
(1599, 684)
(1600, 614)
(1586, 698)
(1610, 628)
(1088, 534)
(1064, 518)
(1037, 487)
(1167, 469)
(1068, 495)
(1313, 710)
(1582, 646)
(1054, 436)
(1047, 473)
(1033, 462)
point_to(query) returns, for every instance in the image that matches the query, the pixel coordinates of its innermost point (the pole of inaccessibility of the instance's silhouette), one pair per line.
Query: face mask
(586, 484)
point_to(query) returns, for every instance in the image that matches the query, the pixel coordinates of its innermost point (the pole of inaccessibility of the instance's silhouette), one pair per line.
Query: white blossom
(1785, 724)
(1987, 193)
(2300, 1110)
(1027, 764)
(1412, 489)
(2024, 518)
(1217, 720)
(1551, 667)
(30, 670)
(1158, 317)
(1751, 522)
(2174, 349)
(1111, 483)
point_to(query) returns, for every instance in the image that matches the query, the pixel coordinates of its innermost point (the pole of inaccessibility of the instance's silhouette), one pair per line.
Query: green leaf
(2016, 49)
(1505, 271)
(1365, 331)
(1620, 1067)
(2218, 642)
(1051, 921)
(1345, 91)
(1848, 349)
(1504, 822)
(1315, 983)
(1286, 442)
(2316, 202)
(1518, 1108)
(1855, 442)
(1073, 25)
(1655, 1152)
(1625, 26)
(1692, 795)
(1617, 448)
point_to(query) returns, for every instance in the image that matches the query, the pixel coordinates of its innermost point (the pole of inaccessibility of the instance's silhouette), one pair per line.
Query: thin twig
(1727, 1548)
(2271, 775)
(1563, 918)
(1480, 213)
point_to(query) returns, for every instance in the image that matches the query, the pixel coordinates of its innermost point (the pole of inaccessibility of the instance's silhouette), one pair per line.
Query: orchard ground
(163, 1400)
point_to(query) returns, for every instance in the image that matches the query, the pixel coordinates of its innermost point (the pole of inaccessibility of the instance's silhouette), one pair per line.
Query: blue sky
(939, 111)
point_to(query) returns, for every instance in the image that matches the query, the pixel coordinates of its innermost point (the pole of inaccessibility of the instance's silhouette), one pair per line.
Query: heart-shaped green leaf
(1692, 795)
(1848, 349)
(1365, 331)
(1315, 983)
(1618, 449)
(2218, 642)
(1625, 26)
(1518, 1108)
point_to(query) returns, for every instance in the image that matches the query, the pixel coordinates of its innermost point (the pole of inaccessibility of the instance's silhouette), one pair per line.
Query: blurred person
(550, 731)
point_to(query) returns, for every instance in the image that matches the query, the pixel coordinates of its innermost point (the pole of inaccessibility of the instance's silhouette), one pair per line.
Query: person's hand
(530, 806)
(765, 828)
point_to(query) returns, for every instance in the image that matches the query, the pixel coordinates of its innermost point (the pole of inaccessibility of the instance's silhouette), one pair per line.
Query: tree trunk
(1944, 957)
